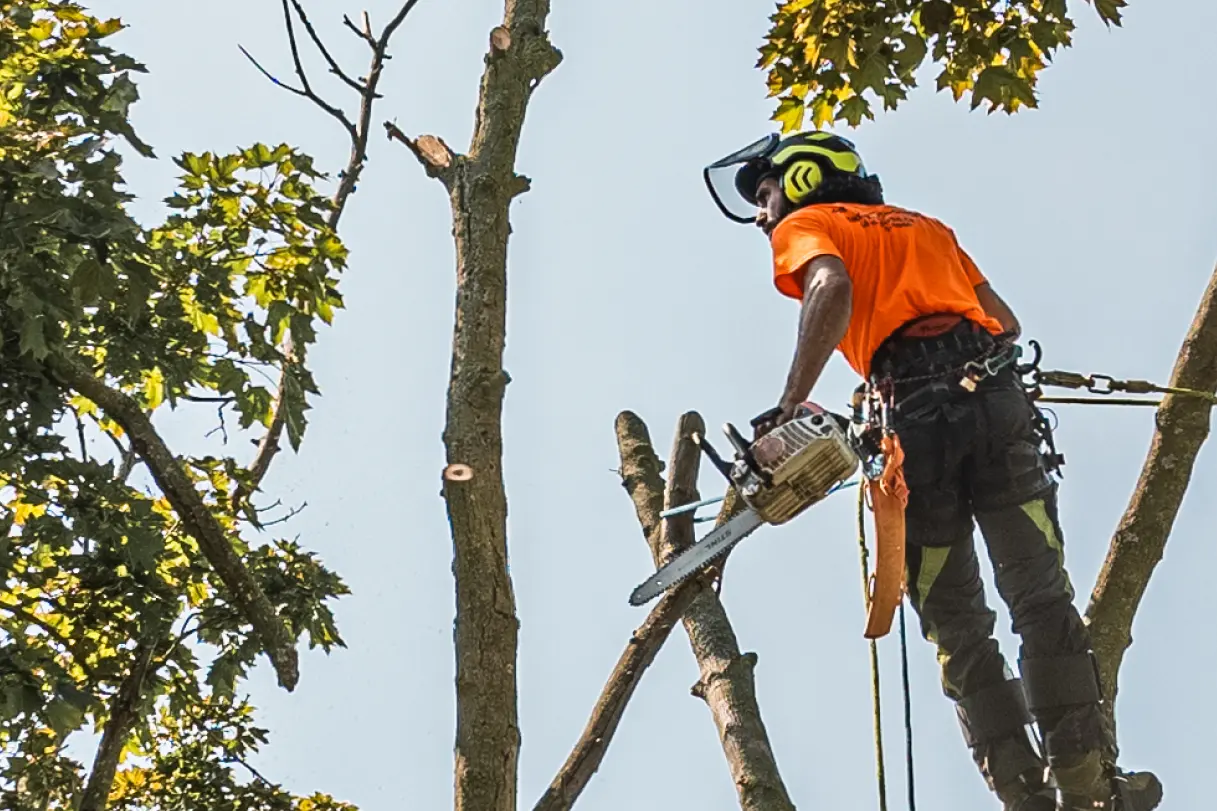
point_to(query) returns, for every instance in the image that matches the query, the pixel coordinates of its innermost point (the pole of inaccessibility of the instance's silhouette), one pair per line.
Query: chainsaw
(778, 476)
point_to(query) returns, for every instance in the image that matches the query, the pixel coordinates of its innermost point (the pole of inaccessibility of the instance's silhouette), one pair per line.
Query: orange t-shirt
(902, 265)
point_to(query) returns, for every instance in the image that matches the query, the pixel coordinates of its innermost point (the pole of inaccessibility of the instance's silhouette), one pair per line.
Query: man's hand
(766, 421)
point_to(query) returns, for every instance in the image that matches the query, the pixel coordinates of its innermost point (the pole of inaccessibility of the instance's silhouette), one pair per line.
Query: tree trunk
(1139, 541)
(481, 186)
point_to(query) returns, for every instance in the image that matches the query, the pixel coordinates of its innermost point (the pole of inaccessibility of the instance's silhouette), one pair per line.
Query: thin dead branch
(325, 52)
(358, 132)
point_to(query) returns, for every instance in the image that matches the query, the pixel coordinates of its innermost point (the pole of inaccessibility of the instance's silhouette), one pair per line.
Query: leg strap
(994, 712)
(1053, 682)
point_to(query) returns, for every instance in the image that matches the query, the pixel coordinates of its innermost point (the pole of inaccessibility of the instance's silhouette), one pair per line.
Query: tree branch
(1140, 539)
(639, 653)
(359, 134)
(338, 114)
(124, 712)
(436, 157)
(212, 538)
(727, 683)
(325, 53)
(640, 482)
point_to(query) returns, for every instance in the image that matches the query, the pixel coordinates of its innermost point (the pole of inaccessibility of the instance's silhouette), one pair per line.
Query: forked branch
(358, 133)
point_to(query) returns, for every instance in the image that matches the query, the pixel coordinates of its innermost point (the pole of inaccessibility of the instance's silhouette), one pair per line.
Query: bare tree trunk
(481, 186)
(1140, 539)
(727, 682)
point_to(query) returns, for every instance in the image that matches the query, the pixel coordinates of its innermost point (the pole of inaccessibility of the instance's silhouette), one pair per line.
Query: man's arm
(823, 321)
(996, 307)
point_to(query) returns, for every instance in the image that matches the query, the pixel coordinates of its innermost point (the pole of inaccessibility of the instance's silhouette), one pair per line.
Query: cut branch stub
(500, 39)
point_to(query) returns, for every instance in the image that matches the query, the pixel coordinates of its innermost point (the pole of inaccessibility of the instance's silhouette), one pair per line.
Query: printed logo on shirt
(887, 218)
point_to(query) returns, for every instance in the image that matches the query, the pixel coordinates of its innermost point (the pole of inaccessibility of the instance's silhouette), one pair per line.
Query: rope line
(908, 710)
(880, 771)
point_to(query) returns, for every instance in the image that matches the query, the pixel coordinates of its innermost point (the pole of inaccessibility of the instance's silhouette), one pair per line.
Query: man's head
(776, 176)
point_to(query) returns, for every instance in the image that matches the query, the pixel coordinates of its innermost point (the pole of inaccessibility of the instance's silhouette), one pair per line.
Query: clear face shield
(745, 165)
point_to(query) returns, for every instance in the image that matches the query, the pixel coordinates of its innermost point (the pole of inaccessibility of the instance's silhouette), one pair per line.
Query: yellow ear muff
(801, 179)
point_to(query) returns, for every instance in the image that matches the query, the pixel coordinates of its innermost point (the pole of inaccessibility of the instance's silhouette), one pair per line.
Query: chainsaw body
(793, 466)
(779, 476)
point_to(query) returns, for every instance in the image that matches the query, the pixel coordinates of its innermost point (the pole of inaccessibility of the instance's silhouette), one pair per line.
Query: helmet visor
(732, 180)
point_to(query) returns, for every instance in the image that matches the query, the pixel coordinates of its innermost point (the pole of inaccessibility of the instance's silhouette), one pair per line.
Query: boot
(1087, 783)
(994, 723)
(1028, 792)
(1064, 695)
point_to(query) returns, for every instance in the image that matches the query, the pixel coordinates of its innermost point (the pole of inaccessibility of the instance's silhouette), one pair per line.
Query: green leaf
(33, 341)
(74, 695)
(63, 716)
(123, 93)
(1109, 10)
(331, 247)
(871, 75)
(854, 109)
(90, 280)
(278, 316)
(910, 57)
(143, 549)
(195, 164)
(222, 675)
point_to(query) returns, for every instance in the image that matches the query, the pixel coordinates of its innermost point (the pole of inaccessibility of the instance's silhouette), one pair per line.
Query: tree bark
(244, 592)
(481, 186)
(1182, 425)
(727, 683)
(124, 712)
(640, 652)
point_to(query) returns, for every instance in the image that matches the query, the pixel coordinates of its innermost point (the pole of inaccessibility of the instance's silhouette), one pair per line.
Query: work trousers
(977, 460)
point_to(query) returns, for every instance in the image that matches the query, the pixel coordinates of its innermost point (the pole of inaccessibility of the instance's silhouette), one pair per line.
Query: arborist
(914, 316)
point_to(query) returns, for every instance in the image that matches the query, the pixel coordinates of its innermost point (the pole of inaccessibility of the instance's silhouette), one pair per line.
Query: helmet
(801, 162)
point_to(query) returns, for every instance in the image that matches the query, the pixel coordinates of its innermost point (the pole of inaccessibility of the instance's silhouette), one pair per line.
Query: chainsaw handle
(744, 450)
(737, 439)
(708, 449)
(765, 416)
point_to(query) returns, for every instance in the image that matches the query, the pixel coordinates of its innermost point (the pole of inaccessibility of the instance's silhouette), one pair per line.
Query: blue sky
(1092, 216)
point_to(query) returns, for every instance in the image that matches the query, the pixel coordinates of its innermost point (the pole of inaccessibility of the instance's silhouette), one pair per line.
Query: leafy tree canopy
(103, 582)
(834, 59)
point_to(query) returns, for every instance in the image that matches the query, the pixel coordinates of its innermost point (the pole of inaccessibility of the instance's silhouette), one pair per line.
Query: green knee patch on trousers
(1037, 511)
